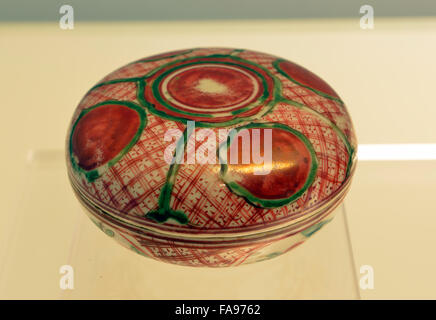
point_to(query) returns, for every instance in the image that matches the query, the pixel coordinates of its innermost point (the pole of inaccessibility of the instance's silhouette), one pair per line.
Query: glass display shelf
(50, 230)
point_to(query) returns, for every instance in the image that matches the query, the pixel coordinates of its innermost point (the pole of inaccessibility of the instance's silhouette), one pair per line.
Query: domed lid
(151, 144)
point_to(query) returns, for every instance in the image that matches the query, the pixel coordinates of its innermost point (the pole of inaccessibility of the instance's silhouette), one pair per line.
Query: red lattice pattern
(125, 91)
(141, 69)
(331, 109)
(200, 193)
(135, 70)
(133, 184)
(201, 256)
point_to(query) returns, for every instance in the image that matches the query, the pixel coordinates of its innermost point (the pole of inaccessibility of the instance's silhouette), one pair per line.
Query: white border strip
(396, 152)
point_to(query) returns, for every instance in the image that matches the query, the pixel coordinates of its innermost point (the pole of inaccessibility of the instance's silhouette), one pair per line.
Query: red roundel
(207, 88)
(218, 91)
(102, 133)
(280, 180)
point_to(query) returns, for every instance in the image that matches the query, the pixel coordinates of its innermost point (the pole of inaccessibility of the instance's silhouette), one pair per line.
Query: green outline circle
(267, 93)
(93, 174)
(268, 203)
(157, 95)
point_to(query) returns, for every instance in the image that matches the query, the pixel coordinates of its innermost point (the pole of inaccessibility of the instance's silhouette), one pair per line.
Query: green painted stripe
(164, 212)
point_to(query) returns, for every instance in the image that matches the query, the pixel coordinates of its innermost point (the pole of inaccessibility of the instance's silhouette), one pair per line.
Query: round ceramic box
(211, 156)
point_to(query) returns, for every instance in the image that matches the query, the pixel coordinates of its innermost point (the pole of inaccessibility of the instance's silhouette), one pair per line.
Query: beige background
(386, 77)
